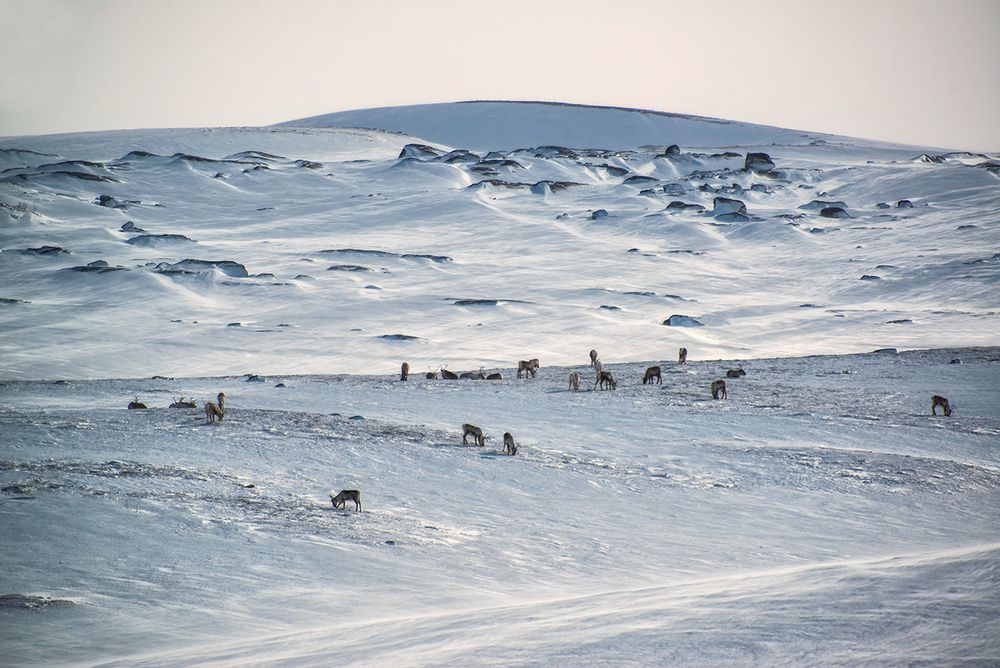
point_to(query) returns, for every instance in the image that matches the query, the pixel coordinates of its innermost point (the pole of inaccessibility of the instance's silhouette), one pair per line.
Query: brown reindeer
(135, 404)
(404, 371)
(682, 356)
(216, 410)
(509, 446)
(528, 367)
(345, 495)
(574, 381)
(181, 403)
(651, 373)
(448, 375)
(606, 381)
(938, 400)
(431, 375)
(495, 376)
(719, 389)
(475, 432)
(593, 358)
(736, 373)
(473, 375)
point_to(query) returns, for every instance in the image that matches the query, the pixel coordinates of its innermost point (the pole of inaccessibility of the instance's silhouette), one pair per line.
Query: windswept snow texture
(818, 514)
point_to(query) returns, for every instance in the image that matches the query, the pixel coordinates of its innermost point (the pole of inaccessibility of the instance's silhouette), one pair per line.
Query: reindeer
(598, 366)
(495, 376)
(938, 400)
(404, 371)
(651, 373)
(593, 358)
(180, 403)
(682, 356)
(719, 389)
(528, 366)
(736, 373)
(431, 375)
(606, 381)
(574, 381)
(136, 404)
(475, 432)
(345, 495)
(509, 446)
(216, 410)
(473, 375)
(448, 375)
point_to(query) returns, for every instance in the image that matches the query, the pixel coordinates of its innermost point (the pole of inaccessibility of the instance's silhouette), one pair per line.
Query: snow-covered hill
(817, 515)
(315, 247)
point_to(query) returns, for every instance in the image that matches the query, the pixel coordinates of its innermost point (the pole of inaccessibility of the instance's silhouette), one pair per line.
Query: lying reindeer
(448, 375)
(593, 358)
(180, 403)
(404, 371)
(216, 410)
(682, 356)
(136, 404)
(606, 381)
(509, 446)
(495, 376)
(574, 381)
(719, 389)
(475, 432)
(345, 495)
(473, 375)
(938, 400)
(528, 366)
(651, 373)
(736, 373)
(431, 375)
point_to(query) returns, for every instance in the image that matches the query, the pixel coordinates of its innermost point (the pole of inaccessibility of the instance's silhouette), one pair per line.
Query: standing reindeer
(345, 495)
(593, 358)
(404, 371)
(216, 410)
(574, 381)
(509, 446)
(475, 432)
(606, 381)
(528, 366)
(719, 389)
(938, 400)
(651, 373)
(682, 356)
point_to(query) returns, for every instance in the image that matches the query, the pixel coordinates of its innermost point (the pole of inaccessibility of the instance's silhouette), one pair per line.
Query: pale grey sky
(915, 71)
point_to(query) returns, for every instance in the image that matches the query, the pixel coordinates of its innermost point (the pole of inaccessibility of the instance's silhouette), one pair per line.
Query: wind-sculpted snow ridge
(818, 514)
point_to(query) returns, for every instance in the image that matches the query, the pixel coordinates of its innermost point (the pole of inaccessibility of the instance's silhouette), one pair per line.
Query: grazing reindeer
(136, 404)
(216, 410)
(528, 366)
(651, 373)
(593, 358)
(736, 373)
(574, 381)
(431, 375)
(448, 375)
(938, 400)
(345, 495)
(475, 432)
(180, 403)
(719, 389)
(682, 356)
(495, 376)
(606, 381)
(509, 446)
(404, 371)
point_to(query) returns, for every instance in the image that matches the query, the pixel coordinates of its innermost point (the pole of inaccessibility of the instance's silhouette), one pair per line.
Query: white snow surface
(819, 515)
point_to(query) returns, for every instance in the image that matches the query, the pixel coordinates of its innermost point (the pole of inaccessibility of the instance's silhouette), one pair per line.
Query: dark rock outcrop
(682, 321)
(758, 162)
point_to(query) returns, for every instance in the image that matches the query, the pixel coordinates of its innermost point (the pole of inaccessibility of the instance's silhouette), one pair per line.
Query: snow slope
(818, 515)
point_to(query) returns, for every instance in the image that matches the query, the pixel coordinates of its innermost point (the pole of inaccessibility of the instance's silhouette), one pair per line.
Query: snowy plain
(818, 515)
